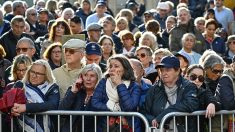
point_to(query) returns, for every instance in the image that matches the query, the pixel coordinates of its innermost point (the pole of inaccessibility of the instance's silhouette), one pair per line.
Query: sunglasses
(193, 77)
(22, 49)
(233, 42)
(142, 55)
(217, 71)
(71, 51)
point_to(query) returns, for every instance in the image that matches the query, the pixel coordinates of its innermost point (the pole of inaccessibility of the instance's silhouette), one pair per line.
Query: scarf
(35, 94)
(111, 91)
(171, 95)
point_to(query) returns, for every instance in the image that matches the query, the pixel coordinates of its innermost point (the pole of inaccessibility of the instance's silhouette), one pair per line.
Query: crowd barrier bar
(59, 113)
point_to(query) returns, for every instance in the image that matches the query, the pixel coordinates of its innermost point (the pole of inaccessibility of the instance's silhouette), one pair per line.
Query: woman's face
(170, 23)
(231, 45)
(210, 30)
(115, 68)
(56, 54)
(211, 16)
(168, 75)
(127, 42)
(189, 42)
(90, 79)
(107, 46)
(196, 76)
(68, 15)
(121, 25)
(143, 57)
(157, 58)
(85, 6)
(37, 75)
(59, 30)
(215, 72)
(20, 71)
(147, 41)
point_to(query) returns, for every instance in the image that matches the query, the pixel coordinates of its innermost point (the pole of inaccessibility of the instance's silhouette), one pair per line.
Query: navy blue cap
(101, 2)
(93, 48)
(169, 62)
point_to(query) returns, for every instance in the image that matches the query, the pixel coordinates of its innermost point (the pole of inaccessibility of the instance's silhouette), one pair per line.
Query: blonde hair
(49, 75)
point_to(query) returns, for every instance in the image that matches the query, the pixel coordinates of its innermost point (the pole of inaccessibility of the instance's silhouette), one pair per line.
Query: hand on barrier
(210, 110)
(155, 123)
(17, 109)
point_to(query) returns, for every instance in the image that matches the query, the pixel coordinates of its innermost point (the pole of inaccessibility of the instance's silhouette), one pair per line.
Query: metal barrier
(83, 114)
(219, 115)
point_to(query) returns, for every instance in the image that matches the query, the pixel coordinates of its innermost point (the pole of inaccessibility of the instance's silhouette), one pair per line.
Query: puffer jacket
(128, 100)
(217, 45)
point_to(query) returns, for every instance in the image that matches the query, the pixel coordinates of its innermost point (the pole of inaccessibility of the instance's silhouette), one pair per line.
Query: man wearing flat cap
(100, 9)
(74, 50)
(172, 93)
(93, 32)
(148, 15)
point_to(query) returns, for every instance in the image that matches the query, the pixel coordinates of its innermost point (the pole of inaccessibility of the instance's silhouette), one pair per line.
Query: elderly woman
(42, 94)
(78, 98)
(159, 54)
(128, 41)
(195, 73)
(188, 42)
(53, 55)
(107, 46)
(18, 69)
(231, 48)
(118, 91)
(172, 93)
(214, 67)
(67, 14)
(144, 54)
(148, 39)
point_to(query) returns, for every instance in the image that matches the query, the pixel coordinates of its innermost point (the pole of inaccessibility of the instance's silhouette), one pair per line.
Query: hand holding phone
(78, 84)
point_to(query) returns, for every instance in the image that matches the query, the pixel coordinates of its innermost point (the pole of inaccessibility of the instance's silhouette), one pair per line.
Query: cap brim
(163, 65)
(93, 53)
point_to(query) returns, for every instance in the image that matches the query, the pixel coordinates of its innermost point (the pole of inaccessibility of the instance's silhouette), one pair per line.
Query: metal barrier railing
(83, 114)
(219, 115)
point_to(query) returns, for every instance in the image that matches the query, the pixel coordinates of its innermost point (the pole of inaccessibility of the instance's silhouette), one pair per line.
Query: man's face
(163, 12)
(24, 48)
(94, 35)
(18, 28)
(184, 17)
(20, 10)
(72, 55)
(93, 58)
(218, 3)
(107, 25)
(100, 9)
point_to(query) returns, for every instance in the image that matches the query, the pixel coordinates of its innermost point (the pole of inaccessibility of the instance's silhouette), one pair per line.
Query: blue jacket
(156, 100)
(128, 100)
(217, 45)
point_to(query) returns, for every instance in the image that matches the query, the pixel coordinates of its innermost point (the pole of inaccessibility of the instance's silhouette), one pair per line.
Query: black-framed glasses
(142, 55)
(22, 49)
(217, 71)
(71, 51)
(36, 73)
(193, 77)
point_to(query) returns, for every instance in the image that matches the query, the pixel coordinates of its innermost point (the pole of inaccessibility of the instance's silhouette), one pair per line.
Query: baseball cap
(169, 62)
(94, 26)
(101, 2)
(93, 48)
(43, 10)
(149, 12)
(74, 44)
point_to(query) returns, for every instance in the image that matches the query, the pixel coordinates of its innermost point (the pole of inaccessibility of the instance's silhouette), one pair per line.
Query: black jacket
(156, 100)
(75, 102)
(9, 41)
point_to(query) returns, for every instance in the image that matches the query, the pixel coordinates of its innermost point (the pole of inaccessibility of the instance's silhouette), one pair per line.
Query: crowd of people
(179, 57)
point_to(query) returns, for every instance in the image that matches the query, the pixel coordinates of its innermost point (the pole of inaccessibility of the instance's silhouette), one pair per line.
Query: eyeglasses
(193, 77)
(71, 51)
(217, 71)
(233, 42)
(21, 70)
(56, 52)
(22, 49)
(142, 55)
(33, 14)
(36, 73)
